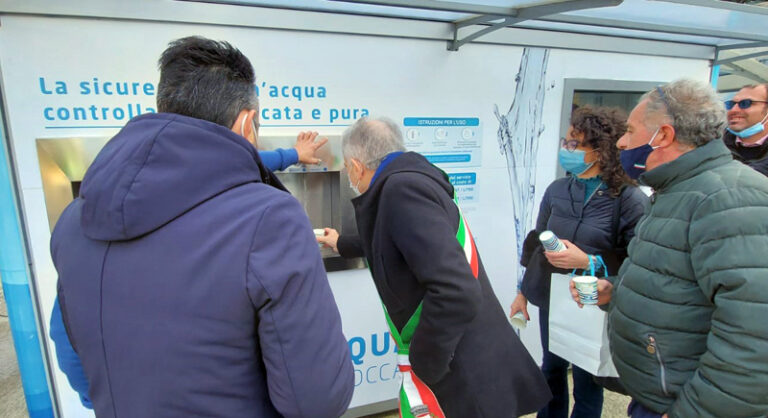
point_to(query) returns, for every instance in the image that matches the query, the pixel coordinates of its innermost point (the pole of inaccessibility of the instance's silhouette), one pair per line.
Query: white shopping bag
(579, 336)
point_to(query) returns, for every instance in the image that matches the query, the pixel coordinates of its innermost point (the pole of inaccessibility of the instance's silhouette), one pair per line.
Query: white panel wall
(385, 76)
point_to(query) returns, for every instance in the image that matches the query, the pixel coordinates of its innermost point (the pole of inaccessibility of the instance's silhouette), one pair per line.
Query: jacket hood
(158, 167)
(408, 162)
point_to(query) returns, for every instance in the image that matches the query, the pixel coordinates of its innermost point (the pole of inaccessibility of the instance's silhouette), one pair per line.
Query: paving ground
(12, 403)
(614, 406)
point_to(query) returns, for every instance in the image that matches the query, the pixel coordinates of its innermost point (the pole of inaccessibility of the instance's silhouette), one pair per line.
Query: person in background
(687, 309)
(746, 135)
(593, 210)
(189, 279)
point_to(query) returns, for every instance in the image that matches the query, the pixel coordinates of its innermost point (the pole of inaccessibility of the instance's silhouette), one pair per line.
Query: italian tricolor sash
(416, 399)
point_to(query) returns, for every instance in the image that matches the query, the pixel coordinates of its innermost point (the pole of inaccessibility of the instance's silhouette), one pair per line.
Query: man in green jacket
(688, 312)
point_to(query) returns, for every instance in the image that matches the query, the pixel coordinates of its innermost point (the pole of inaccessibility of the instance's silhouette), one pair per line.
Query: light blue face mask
(752, 130)
(573, 161)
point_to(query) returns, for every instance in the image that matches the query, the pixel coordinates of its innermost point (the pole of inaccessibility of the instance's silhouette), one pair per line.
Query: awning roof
(734, 35)
(739, 32)
(704, 22)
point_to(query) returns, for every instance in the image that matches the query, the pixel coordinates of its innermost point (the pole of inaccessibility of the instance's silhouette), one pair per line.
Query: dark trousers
(587, 395)
(637, 410)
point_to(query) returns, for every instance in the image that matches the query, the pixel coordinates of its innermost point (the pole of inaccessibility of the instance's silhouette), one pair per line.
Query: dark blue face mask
(633, 160)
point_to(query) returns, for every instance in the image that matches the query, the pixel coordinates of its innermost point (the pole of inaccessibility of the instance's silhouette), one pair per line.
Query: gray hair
(369, 140)
(691, 107)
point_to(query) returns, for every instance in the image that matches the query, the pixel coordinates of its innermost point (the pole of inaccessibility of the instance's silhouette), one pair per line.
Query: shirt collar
(759, 142)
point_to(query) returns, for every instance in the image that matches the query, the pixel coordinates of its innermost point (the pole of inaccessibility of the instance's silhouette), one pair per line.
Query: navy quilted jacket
(586, 222)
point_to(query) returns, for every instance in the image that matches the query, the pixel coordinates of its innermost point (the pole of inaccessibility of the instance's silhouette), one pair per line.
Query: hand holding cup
(604, 290)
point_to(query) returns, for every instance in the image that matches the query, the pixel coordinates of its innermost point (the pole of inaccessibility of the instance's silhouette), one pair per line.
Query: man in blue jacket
(189, 280)
(278, 159)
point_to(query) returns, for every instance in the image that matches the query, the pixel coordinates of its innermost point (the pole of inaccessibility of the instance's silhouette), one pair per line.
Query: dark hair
(205, 79)
(754, 86)
(602, 127)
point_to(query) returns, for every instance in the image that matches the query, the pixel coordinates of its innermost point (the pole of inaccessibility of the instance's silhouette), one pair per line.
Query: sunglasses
(743, 104)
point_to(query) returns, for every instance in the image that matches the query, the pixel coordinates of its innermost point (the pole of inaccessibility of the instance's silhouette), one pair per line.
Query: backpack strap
(616, 219)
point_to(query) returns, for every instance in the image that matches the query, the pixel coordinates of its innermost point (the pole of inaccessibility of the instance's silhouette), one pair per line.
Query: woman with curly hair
(593, 210)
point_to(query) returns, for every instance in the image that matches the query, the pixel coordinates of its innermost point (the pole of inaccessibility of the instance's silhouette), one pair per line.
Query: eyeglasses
(743, 104)
(569, 144)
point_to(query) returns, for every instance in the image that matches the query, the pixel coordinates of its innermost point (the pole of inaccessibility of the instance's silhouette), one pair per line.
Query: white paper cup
(518, 320)
(587, 288)
(319, 233)
(550, 242)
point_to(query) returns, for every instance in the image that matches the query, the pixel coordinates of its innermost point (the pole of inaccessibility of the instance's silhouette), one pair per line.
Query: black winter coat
(463, 348)
(588, 224)
(755, 157)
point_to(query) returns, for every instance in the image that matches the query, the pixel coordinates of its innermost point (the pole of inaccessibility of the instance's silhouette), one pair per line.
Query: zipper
(653, 348)
(590, 197)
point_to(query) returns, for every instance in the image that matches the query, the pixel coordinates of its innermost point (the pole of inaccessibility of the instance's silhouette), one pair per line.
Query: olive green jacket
(688, 320)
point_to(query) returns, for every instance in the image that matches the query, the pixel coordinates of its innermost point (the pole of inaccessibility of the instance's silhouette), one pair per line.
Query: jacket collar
(688, 165)
(366, 205)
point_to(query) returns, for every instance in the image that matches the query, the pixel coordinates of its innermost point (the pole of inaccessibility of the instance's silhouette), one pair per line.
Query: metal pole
(14, 274)
(715, 76)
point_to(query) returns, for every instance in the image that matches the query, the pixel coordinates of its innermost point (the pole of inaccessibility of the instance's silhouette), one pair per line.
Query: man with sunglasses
(747, 133)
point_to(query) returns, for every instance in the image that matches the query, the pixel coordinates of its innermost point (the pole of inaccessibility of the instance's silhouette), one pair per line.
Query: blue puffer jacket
(588, 223)
(189, 287)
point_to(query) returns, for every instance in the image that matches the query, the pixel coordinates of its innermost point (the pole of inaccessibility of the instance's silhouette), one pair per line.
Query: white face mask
(254, 131)
(355, 187)
(242, 127)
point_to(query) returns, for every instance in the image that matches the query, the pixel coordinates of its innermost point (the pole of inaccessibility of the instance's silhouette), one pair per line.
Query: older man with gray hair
(688, 309)
(456, 351)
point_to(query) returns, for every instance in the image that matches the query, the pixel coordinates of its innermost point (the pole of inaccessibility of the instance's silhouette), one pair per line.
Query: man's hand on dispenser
(306, 146)
(330, 239)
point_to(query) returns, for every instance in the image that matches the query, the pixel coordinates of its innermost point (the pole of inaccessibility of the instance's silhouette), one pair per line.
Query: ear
(251, 121)
(358, 166)
(665, 137)
(244, 124)
(239, 122)
(577, 135)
